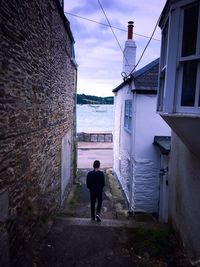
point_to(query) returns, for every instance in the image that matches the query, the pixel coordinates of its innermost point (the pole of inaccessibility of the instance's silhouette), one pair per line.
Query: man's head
(96, 164)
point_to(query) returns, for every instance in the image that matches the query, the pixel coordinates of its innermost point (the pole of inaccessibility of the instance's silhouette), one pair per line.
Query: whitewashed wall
(136, 161)
(146, 160)
(121, 141)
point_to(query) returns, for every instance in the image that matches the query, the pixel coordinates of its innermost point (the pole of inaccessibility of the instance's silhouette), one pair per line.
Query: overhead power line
(106, 25)
(111, 27)
(114, 33)
(146, 46)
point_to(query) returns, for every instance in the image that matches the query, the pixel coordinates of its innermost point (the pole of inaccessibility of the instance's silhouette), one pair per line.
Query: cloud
(97, 52)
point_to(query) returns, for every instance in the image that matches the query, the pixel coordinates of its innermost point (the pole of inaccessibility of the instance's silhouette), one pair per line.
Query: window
(128, 115)
(179, 80)
(188, 74)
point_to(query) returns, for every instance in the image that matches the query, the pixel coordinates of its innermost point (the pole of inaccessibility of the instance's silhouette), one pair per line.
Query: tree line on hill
(91, 99)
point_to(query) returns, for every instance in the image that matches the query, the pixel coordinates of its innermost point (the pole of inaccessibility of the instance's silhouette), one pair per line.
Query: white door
(163, 200)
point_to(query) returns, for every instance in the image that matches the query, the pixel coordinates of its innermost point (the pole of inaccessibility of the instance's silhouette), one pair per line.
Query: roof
(163, 143)
(145, 79)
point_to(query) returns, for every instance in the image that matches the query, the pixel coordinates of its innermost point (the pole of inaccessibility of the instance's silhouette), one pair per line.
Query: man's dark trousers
(95, 195)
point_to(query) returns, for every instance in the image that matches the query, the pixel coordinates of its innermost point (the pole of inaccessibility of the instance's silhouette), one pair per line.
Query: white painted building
(179, 106)
(136, 161)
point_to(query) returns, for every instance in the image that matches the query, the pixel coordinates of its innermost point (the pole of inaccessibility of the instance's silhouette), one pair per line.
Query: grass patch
(156, 242)
(80, 173)
(113, 186)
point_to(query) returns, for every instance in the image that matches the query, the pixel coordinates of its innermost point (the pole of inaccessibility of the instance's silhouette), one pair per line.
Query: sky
(97, 52)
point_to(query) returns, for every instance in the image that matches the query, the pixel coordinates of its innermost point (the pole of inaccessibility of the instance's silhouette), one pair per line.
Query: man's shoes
(98, 218)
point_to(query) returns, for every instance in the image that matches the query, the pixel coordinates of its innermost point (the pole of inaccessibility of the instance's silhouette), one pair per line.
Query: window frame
(163, 66)
(180, 66)
(169, 95)
(128, 126)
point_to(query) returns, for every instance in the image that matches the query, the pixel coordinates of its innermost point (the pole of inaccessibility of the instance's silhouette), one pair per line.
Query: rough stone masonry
(37, 100)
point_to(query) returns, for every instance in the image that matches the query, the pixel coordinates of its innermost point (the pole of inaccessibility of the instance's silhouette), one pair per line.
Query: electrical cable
(125, 76)
(145, 47)
(106, 25)
(114, 33)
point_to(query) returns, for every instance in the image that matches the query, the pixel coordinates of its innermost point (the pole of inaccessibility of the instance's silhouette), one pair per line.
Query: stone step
(107, 223)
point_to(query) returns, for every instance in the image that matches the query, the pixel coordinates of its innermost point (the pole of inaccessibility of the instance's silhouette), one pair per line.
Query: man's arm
(103, 180)
(87, 181)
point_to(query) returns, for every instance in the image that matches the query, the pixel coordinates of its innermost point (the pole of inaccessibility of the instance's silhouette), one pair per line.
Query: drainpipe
(75, 134)
(75, 124)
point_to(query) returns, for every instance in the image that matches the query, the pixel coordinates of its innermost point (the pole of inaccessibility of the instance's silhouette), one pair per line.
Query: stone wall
(95, 137)
(37, 89)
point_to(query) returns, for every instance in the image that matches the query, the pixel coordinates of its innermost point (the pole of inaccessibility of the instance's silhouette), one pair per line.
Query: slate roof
(163, 143)
(145, 79)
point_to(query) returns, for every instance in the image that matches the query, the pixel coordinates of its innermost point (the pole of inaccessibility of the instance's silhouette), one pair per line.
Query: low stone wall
(95, 137)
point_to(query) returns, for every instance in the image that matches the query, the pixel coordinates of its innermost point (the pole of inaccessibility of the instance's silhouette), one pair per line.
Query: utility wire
(146, 46)
(106, 25)
(111, 27)
(113, 33)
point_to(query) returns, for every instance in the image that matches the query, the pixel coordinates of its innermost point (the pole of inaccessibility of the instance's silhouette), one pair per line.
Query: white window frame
(128, 115)
(180, 60)
(170, 95)
(167, 95)
(163, 64)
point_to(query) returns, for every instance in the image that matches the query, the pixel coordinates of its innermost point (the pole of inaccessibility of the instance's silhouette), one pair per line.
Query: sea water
(94, 118)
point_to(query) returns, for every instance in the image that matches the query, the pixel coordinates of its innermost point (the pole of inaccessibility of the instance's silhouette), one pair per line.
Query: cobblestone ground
(67, 242)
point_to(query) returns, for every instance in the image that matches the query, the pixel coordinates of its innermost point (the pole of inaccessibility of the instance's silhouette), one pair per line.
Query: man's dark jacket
(95, 181)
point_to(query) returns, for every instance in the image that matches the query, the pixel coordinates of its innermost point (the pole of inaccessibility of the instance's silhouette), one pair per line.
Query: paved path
(90, 151)
(117, 241)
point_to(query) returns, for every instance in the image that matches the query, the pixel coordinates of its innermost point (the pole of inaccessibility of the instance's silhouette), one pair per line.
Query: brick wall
(37, 86)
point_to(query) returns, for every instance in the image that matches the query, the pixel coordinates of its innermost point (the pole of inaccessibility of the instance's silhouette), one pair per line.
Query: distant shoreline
(94, 100)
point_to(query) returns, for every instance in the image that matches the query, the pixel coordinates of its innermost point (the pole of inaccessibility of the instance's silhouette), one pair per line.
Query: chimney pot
(130, 30)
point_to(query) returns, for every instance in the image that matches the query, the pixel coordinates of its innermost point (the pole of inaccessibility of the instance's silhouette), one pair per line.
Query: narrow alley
(70, 96)
(72, 239)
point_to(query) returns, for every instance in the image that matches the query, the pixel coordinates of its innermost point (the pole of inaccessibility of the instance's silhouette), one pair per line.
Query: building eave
(145, 91)
(127, 81)
(135, 75)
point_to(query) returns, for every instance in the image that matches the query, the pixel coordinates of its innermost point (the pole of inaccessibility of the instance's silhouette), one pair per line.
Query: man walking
(95, 183)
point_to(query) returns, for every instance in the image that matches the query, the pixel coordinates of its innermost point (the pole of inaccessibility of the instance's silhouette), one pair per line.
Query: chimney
(129, 51)
(130, 30)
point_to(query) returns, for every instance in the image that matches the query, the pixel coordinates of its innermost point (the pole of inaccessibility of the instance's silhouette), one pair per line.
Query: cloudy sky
(97, 52)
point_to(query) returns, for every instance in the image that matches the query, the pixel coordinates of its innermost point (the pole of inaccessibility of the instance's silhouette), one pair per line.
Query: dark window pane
(190, 31)
(164, 46)
(161, 90)
(189, 83)
(128, 114)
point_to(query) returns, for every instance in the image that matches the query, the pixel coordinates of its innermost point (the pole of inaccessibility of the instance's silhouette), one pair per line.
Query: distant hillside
(91, 99)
